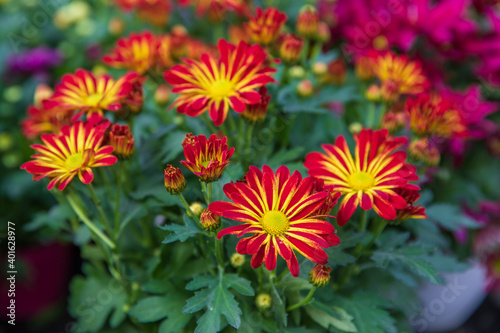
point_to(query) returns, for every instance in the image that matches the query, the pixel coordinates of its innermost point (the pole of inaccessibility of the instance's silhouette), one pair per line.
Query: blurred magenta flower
(35, 62)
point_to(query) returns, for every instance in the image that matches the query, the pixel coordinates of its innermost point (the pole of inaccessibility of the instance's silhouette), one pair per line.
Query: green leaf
(326, 317)
(93, 298)
(217, 299)
(450, 217)
(150, 309)
(180, 232)
(278, 304)
(55, 219)
(368, 310)
(413, 256)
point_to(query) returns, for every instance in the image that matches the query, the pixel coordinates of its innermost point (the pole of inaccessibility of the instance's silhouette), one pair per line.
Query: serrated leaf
(180, 232)
(412, 256)
(326, 317)
(217, 299)
(278, 305)
(368, 311)
(150, 309)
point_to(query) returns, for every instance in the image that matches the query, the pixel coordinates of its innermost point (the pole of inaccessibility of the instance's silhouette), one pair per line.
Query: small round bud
(13, 94)
(380, 43)
(5, 141)
(320, 68)
(162, 95)
(175, 182)
(305, 88)
(209, 220)
(296, 72)
(237, 260)
(99, 70)
(323, 34)
(196, 208)
(355, 127)
(320, 275)
(373, 93)
(42, 92)
(116, 26)
(263, 301)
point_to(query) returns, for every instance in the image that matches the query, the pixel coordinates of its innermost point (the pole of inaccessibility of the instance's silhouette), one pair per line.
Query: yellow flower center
(275, 222)
(93, 99)
(74, 161)
(221, 89)
(380, 43)
(361, 180)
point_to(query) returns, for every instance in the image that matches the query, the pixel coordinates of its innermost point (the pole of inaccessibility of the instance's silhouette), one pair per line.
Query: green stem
(364, 221)
(219, 255)
(117, 199)
(249, 137)
(305, 301)
(188, 210)
(371, 115)
(232, 124)
(98, 205)
(209, 123)
(81, 215)
(209, 193)
(380, 227)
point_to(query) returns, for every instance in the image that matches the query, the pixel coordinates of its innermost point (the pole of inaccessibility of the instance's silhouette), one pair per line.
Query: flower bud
(307, 22)
(394, 120)
(116, 26)
(175, 182)
(196, 208)
(320, 275)
(296, 72)
(291, 48)
(319, 68)
(135, 98)
(42, 92)
(209, 221)
(257, 112)
(323, 34)
(162, 95)
(189, 139)
(355, 127)
(373, 93)
(363, 68)
(424, 150)
(237, 260)
(337, 72)
(122, 141)
(305, 88)
(263, 301)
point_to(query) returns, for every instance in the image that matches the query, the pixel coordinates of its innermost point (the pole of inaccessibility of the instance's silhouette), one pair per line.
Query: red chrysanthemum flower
(368, 180)
(217, 85)
(265, 26)
(411, 211)
(89, 94)
(398, 75)
(136, 52)
(319, 276)
(307, 22)
(206, 158)
(122, 141)
(74, 152)
(257, 112)
(216, 9)
(41, 121)
(430, 115)
(281, 210)
(156, 12)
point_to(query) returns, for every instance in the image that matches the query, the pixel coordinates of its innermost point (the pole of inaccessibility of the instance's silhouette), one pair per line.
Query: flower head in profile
(280, 211)
(122, 141)
(433, 115)
(206, 158)
(411, 211)
(218, 85)
(136, 52)
(370, 178)
(265, 26)
(89, 94)
(291, 48)
(73, 152)
(319, 276)
(41, 121)
(425, 150)
(398, 75)
(257, 112)
(307, 22)
(175, 182)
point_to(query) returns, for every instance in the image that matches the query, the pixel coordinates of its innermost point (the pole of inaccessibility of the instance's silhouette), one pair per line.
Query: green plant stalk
(117, 199)
(60, 200)
(98, 205)
(371, 115)
(380, 227)
(219, 255)
(209, 193)
(305, 301)
(189, 211)
(364, 221)
(204, 191)
(209, 123)
(81, 215)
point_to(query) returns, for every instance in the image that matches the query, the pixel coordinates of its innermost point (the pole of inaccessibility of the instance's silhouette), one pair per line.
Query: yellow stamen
(361, 180)
(275, 222)
(74, 161)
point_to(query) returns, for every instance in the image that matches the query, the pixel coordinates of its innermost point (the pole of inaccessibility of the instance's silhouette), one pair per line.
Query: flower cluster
(155, 11)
